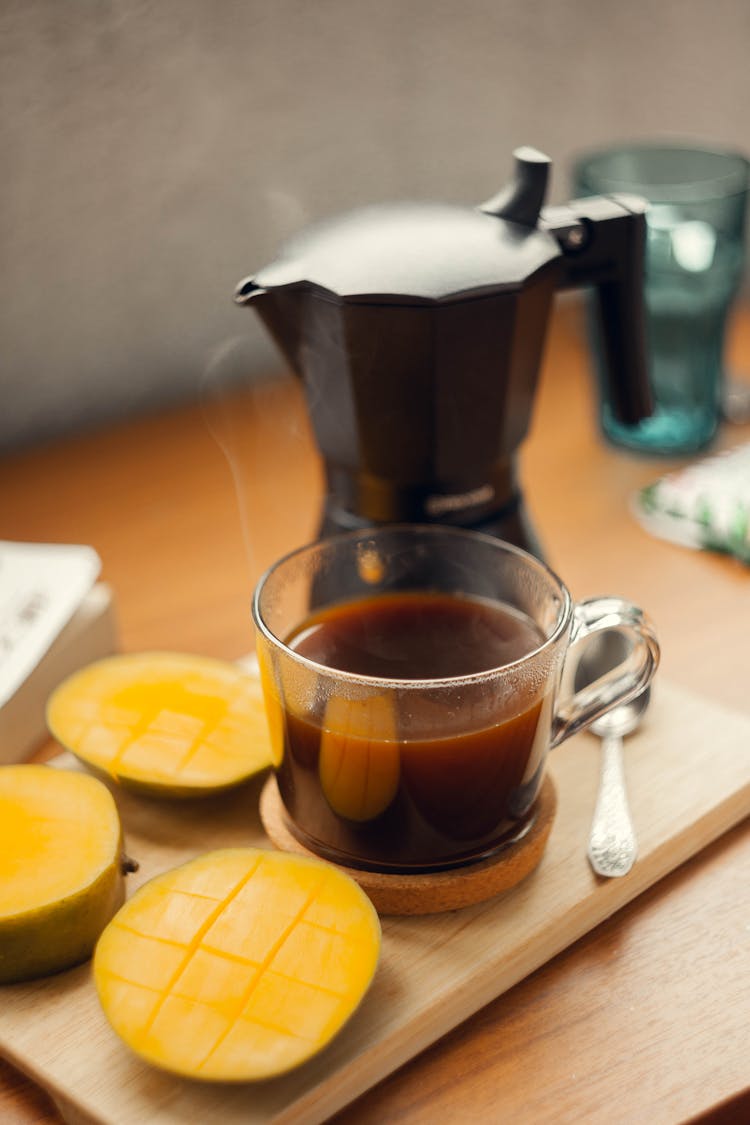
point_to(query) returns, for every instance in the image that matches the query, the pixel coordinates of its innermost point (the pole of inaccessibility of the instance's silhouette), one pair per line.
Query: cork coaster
(432, 892)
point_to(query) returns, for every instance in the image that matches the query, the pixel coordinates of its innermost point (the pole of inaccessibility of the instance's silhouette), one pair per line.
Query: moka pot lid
(411, 253)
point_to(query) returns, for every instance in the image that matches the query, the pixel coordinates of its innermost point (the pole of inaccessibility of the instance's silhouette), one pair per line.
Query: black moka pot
(418, 329)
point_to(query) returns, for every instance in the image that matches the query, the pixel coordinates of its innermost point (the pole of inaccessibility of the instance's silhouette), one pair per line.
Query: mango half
(239, 965)
(60, 869)
(168, 724)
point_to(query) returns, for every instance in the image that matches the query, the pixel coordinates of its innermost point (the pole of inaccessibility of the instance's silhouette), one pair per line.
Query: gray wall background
(155, 151)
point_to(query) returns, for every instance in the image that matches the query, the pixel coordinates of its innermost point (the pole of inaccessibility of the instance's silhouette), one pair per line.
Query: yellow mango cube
(256, 979)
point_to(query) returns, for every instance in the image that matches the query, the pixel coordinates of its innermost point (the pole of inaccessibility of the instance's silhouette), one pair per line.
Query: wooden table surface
(646, 1018)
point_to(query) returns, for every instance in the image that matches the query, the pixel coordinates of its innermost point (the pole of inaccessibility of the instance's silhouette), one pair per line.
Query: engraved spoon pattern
(612, 843)
(612, 847)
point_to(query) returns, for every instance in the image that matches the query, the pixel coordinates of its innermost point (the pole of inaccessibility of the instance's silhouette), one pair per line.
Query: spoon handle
(612, 843)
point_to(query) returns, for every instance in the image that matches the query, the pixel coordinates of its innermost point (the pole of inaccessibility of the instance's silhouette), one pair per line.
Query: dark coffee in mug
(395, 777)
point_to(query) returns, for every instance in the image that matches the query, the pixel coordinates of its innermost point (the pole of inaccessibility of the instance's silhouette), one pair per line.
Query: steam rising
(261, 425)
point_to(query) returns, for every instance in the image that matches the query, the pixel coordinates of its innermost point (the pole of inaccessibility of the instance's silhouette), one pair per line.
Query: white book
(90, 634)
(54, 618)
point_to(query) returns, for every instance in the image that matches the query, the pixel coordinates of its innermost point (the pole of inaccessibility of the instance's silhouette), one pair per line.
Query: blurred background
(156, 151)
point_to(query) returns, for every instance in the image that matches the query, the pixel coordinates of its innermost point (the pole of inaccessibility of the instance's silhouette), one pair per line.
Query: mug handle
(621, 683)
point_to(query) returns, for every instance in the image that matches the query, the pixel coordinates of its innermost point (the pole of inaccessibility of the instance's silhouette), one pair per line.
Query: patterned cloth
(704, 505)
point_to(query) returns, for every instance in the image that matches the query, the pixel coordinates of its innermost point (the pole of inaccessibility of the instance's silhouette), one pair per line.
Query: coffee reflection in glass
(411, 677)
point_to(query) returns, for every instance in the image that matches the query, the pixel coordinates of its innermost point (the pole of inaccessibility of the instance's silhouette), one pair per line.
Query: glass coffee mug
(413, 679)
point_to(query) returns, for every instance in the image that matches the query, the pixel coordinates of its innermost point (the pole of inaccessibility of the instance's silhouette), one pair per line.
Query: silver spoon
(612, 843)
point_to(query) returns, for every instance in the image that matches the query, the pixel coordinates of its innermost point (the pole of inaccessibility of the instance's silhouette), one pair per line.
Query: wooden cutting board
(688, 773)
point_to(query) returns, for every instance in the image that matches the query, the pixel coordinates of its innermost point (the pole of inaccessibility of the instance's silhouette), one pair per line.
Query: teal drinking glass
(694, 265)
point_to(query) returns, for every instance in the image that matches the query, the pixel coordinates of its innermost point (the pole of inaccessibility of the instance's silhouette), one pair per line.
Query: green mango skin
(166, 791)
(60, 935)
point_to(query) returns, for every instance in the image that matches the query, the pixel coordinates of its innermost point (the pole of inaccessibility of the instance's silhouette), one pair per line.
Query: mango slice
(360, 764)
(239, 965)
(60, 869)
(168, 724)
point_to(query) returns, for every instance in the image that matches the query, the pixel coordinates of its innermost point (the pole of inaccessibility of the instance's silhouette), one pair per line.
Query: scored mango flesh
(60, 868)
(359, 765)
(239, 965)
(164, 722)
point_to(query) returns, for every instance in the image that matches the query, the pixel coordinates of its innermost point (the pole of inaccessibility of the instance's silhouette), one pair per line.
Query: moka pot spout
(280, 309)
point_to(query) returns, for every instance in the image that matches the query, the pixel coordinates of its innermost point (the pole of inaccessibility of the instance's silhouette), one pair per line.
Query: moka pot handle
(603, 240)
